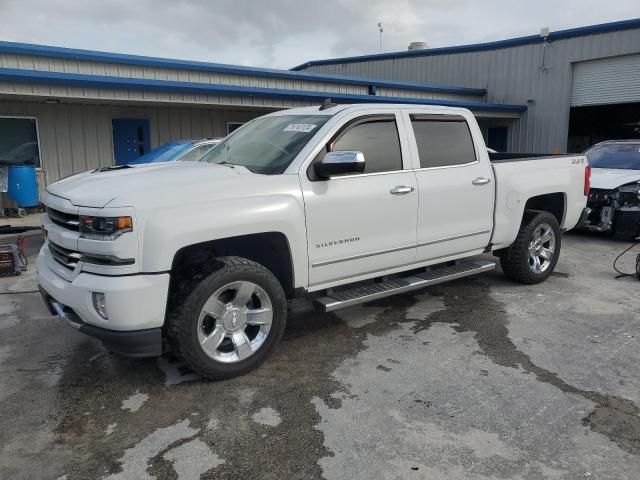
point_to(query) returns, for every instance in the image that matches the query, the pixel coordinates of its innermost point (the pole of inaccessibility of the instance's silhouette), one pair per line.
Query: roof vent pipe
(418, 45)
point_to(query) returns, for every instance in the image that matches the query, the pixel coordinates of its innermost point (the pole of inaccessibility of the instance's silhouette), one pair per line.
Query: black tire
(515, 261)
(182, 327)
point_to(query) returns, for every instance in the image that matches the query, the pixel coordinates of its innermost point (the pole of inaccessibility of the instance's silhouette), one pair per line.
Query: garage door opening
(593, 124)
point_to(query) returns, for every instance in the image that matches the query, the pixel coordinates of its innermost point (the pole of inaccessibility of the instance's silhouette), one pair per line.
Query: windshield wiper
(226, 164)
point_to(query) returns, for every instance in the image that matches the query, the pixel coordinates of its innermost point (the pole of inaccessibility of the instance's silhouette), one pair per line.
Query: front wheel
(534, 254)
(231, 321)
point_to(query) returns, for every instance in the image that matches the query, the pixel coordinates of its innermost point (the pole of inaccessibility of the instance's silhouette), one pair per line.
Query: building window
(19, 141)
(233, 126)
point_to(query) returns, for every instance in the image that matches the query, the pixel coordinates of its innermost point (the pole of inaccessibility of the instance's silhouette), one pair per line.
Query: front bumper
(135, 343)
(136, 306)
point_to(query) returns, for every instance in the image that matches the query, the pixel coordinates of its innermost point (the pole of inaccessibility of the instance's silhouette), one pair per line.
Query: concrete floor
(477, 379)
(31, 220)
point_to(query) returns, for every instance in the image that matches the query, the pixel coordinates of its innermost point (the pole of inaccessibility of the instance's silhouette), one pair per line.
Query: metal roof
(110, 82)
(120, 58)
(476, 47)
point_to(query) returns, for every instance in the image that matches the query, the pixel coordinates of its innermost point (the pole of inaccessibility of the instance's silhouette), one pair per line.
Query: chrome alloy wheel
(542, 246)
(235, 321)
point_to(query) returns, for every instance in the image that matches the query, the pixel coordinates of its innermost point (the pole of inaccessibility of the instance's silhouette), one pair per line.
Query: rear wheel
(231, 321)
(534, 254)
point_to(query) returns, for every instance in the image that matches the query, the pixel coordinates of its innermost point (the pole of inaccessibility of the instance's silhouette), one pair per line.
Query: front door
(361, 224)
(130, 139)
(456, 184)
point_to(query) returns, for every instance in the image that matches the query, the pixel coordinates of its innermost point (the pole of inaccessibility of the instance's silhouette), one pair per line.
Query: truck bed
(522, 176)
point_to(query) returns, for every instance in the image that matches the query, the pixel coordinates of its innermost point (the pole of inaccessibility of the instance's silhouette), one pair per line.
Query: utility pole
(380, 29)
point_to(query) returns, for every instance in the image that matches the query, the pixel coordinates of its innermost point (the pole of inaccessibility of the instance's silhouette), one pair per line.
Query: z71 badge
(331, 243)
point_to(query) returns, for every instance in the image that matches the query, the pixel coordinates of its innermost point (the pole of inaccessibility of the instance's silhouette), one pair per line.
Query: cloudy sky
(284, 33)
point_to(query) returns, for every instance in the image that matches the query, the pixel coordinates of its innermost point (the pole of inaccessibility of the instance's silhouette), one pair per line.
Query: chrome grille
(65, 220)
(67, 258)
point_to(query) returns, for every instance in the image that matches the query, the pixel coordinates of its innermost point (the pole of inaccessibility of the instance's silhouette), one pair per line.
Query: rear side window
(443, 143)
(377, 139)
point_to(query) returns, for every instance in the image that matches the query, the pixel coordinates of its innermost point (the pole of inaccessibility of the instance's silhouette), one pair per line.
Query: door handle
(481, 181)
(400, 190)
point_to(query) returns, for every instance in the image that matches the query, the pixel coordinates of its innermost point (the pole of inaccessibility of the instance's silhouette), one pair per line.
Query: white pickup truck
(344, 203)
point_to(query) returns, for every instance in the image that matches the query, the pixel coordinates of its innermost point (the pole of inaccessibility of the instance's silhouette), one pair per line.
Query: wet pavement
(481, 378)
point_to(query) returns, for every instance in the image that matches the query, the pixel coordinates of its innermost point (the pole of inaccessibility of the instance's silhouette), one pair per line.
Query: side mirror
(339, 163)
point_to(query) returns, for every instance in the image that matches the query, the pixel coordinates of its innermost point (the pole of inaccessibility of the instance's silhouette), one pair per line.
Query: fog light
(100, 304)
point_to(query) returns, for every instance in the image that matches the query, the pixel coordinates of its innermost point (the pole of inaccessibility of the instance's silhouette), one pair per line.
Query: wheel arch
(554, 203)
(270, 249)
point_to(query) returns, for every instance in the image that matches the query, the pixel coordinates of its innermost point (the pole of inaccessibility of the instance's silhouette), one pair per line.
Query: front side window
(19, 142)
(443, 143)
(377, 139)
(267, 145)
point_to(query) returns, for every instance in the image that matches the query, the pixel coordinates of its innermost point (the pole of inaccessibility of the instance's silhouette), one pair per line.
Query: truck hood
(149, 183)
(610, 178)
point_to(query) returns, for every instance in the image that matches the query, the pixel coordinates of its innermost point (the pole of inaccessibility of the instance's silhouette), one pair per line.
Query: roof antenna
(327, 103)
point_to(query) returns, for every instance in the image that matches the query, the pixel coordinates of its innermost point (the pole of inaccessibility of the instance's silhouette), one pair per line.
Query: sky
(285, 33)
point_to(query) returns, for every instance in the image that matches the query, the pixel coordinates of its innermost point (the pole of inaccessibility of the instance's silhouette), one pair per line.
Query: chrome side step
(367, 293)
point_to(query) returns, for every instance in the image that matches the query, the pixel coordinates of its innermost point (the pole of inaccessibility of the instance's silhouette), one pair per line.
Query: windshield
(267, 145)
(164, 153)
(615, 155)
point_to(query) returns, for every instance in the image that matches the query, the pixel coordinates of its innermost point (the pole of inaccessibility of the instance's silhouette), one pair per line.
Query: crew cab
(342, 203)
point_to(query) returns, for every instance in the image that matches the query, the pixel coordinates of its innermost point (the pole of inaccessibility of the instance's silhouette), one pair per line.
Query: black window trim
(434, 117)
(328, 146)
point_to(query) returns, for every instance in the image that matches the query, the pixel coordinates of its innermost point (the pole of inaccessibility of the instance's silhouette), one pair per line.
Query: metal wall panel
(75, 138)
(606, 81)
(514, 75)
(30, 62)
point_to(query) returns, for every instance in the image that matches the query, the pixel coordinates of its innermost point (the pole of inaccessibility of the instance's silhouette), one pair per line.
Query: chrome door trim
(357, 175)
(407, 265)
(397, 249)
(456, 237)
(362, 255)
(447, 166)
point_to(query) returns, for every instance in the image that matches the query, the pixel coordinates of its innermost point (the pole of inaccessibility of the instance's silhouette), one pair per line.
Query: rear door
(360, 224)
(455, 182)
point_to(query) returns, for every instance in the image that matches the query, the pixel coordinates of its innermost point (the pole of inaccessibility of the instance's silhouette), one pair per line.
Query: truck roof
(330, 111)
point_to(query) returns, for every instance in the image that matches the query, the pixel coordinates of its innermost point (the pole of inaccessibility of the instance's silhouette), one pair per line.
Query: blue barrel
(23, 185)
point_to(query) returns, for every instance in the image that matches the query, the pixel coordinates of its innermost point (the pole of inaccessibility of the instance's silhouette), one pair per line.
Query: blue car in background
(183, 150)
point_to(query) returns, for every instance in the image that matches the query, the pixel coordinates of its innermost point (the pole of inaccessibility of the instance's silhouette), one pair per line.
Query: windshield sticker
(300, 127)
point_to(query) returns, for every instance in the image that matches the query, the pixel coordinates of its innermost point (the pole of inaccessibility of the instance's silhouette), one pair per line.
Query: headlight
(104, 228)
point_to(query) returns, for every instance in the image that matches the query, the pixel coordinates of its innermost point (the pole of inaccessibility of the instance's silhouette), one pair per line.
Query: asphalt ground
(480, 378)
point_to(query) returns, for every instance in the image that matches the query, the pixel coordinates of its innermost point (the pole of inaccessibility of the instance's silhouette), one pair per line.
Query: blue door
(130, 139)
(497, 138)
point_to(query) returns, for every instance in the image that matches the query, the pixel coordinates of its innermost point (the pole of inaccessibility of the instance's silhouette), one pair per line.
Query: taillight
(587, 180)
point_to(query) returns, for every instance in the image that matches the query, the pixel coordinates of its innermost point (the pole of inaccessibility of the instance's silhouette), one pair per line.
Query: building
(580, 85)
(68, 110)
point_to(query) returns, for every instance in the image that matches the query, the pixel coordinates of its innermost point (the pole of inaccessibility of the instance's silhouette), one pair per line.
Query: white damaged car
(614, 198)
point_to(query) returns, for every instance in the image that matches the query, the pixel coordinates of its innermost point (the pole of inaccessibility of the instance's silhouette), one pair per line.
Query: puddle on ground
(473, 310)
(300, 371)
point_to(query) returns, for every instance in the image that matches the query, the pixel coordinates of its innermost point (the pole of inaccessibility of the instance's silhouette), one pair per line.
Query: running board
(366, 293)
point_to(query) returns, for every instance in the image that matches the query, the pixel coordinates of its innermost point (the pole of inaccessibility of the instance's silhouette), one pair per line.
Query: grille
(67, 258)
(65, 220)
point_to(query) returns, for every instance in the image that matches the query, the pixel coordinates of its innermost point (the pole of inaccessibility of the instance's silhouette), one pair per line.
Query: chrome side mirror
(339, 163)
